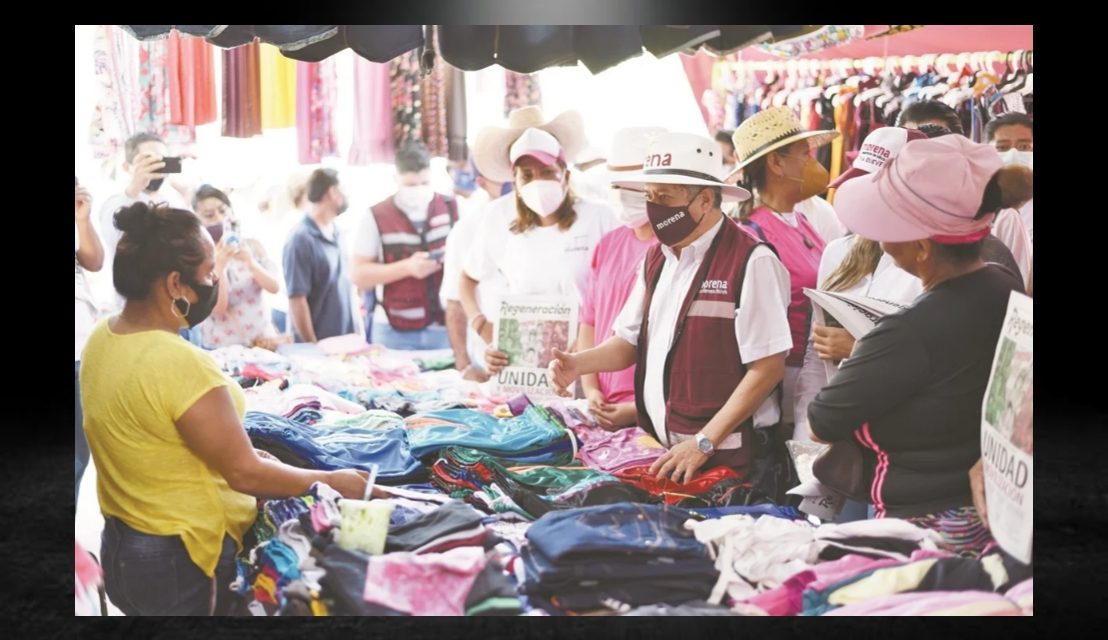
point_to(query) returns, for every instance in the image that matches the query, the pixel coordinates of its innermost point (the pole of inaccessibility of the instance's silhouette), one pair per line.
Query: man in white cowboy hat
(616, 261)
(539, 238)
(705, 324)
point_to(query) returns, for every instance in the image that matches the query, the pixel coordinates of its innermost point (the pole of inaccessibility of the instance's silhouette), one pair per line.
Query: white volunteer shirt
(761, 321)
(822, 217)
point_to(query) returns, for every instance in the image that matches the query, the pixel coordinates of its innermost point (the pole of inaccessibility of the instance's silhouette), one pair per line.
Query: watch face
(705, 445)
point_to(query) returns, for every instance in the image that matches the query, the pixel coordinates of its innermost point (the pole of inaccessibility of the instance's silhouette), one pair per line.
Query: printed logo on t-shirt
(577, 243)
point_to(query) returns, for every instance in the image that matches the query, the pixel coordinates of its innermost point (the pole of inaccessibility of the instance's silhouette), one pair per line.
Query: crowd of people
(693, 322)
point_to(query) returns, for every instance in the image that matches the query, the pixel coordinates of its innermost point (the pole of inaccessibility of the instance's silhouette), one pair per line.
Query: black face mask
(197, 312)
(155, 185)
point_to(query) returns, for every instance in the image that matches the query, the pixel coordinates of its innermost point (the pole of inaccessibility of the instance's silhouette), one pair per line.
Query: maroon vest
(413, 304)
(703, 367)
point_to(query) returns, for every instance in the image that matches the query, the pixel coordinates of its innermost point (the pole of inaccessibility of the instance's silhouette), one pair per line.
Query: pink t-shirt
(616, 262)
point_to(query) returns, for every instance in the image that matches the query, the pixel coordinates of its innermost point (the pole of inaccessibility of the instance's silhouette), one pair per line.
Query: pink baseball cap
(879, 147)
(931, 190)
(539, 145)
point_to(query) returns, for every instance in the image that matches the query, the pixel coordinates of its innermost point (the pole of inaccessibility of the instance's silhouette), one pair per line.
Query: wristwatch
(704, 445)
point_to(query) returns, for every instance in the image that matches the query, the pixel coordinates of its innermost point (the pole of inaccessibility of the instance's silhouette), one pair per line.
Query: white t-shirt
(458, 245)
(822, 216)
(888, 282)
(1009, 227)
(110, 235)
(541, 260)
(761, 321)
(84, 304)
(1027, 212)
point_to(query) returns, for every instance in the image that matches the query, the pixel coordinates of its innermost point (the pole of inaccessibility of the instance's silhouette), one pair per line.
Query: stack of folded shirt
(613, 556)
(530, 492)
(454, 524)
(716, 487)
(534, 437)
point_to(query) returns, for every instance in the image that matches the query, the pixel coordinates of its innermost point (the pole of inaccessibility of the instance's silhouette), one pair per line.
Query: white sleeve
(480, 264)
(109, 235)
(367, 240)
(761, 321)
(822, 216)
(628, 323)
(456, 244)
(1011, 230)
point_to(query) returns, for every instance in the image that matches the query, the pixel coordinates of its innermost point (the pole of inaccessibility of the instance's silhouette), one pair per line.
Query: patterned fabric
(520, 91)
(316, 88)
(407, 99)
(894, 29)
(832, 35)
(433, 90)
(961, 529)
(247, 317)
(115, 119)
(155, 76)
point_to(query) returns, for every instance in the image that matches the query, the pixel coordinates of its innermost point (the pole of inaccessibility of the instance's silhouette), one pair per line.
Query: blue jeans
(853, 510)
(623, 529)
(80, 444)
(147, 575)
(279, 319)
(433, 337)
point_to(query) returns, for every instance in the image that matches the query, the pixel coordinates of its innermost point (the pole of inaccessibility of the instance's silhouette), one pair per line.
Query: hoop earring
(177, 312)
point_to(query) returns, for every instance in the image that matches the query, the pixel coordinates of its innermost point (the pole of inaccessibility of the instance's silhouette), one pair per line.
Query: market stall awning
(523, 49)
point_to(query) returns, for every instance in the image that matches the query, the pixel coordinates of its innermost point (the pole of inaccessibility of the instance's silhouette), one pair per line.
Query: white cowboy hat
(683, 158)
(490, 149)
(770, 130)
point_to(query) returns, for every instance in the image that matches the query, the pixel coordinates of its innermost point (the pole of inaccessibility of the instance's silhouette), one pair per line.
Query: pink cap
(934, 188)
(539, 145)
(879, 147)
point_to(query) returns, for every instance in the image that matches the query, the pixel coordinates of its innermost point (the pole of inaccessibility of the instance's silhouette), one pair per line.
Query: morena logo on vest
(714, 287)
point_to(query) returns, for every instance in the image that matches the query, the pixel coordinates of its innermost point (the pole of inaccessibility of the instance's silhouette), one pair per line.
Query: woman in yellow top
(177, 477)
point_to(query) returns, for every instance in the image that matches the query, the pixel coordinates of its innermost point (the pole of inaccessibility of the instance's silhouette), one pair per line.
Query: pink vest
(800, 250)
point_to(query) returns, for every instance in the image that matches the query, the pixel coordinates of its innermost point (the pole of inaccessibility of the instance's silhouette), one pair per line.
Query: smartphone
(172, 165)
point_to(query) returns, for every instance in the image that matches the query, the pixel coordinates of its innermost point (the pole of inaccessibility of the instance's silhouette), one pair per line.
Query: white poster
(529, 330)
(1006, 433)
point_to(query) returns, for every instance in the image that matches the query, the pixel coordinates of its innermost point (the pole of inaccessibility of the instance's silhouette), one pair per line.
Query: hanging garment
(458, 150)
(278, 78)
(191, 81)
(433, 106)
(520, 91)
(115, 57)
(406, 90)
(373, 114)
(242, 108)
(316, 85)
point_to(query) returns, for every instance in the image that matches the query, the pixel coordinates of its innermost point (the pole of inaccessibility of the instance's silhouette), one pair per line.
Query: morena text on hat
(658, 160)
(877, 150)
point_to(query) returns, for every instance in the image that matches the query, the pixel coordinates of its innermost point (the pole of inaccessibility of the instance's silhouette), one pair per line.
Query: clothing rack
(938, 63)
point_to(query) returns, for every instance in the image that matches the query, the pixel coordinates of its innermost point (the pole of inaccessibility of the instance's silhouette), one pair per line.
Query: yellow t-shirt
(134, 388)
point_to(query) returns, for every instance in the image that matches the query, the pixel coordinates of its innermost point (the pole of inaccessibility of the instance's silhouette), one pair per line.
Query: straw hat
(770, 130)
(490, 149)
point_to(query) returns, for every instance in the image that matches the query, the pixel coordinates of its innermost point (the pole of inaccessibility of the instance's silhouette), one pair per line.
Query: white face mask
(415, 198)
(630, 207)
(543, 196)
(1014, 156)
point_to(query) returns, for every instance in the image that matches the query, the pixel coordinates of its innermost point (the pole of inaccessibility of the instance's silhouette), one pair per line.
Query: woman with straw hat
(777, 166)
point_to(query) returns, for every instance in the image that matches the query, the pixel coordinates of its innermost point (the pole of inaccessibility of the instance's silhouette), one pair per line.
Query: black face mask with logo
(672, 224)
